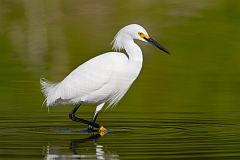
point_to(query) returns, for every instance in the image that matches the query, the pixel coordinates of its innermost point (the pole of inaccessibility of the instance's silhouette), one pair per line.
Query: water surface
(183, 106)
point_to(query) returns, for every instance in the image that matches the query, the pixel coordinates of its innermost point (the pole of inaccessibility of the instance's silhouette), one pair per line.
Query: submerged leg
(73, 117)
(98, 109)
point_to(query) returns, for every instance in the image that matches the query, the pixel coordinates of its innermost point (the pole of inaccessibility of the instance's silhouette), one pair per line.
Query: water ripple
(171, 135)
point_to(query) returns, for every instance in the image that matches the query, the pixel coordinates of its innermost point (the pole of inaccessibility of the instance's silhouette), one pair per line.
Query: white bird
(102, 79)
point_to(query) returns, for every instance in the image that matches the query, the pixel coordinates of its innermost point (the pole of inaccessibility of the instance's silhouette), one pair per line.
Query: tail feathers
(48, 89)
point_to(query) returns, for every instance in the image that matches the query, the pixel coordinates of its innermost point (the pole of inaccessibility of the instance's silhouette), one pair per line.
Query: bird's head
(134, 31)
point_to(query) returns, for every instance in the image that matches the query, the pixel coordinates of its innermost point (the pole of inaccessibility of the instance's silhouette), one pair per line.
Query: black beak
(156, 44)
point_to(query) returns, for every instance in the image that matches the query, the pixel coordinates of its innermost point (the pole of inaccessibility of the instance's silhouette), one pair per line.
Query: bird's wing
(91, 75)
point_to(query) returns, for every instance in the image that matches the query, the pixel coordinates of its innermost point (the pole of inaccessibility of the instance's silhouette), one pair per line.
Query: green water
(183, 106)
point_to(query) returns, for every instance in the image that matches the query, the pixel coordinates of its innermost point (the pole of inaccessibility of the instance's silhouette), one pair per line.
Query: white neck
(135, 54)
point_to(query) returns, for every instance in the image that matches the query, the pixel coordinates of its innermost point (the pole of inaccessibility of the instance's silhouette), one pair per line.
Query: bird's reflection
(81, 149)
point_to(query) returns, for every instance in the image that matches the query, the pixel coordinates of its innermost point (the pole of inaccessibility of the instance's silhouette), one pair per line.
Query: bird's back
(100, 79)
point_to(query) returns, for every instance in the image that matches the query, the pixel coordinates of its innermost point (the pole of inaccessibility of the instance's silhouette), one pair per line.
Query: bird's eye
(141, 34)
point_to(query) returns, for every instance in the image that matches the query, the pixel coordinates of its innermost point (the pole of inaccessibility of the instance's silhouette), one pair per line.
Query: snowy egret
(102, 79)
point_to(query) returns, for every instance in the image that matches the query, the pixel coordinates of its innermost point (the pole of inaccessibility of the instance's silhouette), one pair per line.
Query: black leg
(95, 117)
(93, 120)
(73, 117)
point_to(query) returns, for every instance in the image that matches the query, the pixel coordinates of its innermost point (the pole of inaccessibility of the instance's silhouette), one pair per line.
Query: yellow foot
(102, 131)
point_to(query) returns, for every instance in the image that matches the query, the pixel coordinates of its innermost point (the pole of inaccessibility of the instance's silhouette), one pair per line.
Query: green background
(182, 106)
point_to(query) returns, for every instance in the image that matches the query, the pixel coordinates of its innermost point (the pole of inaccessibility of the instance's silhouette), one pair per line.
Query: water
(165, 136)
(183, 106)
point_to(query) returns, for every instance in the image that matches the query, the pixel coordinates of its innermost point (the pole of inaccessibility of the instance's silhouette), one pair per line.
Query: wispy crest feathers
(117, 42)
(126, 33)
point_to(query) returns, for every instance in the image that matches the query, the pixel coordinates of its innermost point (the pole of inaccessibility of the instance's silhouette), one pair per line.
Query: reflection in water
(81, 149)
(184, 107)
(156, 136)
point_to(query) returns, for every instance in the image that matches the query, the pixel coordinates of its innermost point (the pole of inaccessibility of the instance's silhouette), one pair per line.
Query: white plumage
(97, 80)
(105, 78)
